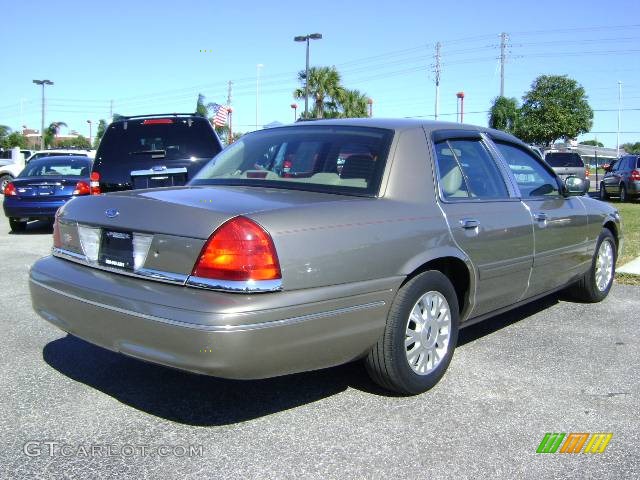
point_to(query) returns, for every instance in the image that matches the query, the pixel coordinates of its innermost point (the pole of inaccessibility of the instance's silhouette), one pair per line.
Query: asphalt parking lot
(553, 366)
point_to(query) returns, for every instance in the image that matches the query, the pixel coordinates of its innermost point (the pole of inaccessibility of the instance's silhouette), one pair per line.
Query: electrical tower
(229, 93)
(437, 75)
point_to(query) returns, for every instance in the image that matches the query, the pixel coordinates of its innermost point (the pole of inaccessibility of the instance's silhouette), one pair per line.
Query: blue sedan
(43, 187)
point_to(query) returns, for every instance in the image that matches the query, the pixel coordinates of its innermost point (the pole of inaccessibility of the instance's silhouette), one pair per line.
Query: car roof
(402, 124)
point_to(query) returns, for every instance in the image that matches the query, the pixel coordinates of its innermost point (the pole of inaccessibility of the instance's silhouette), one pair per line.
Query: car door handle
(469, 223)
(540, 217)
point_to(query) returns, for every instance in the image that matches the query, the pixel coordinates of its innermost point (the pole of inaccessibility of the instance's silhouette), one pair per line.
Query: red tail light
(635, 176)
(95, 183)
(587, 173)
(239, 250)
(10, 190)
(286, 168)
(82, 188)
(157, 121)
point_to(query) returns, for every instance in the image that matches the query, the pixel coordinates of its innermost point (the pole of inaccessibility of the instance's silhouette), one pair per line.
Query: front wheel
(594, 286)
(419, 338)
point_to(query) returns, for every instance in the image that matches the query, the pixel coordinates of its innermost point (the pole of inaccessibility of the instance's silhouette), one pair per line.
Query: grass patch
(630, 213)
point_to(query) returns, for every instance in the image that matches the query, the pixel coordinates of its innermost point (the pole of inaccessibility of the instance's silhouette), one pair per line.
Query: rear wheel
(419, 338)
(623, 193)
(603, 193)
(594, 286)
(4, 180)
(17, 225)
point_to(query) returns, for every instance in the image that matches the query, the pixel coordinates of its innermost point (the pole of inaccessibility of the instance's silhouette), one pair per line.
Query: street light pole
(90, 123)
(43, 83)
(306, 38)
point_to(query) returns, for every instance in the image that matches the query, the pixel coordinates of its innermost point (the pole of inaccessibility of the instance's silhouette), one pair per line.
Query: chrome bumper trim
(249, 286)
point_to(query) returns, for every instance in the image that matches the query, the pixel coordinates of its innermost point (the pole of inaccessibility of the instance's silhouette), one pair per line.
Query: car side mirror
(574, 186)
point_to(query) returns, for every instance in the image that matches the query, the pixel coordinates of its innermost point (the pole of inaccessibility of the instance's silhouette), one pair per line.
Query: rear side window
(334, 159)
(466, 170)
(174, 138)
(564, 160)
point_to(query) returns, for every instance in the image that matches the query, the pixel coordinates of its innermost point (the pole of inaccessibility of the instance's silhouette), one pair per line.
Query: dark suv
(567, 164)
(623, 180)
(153, 151)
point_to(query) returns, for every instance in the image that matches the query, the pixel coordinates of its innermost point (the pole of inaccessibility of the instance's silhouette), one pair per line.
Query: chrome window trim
(248, 286)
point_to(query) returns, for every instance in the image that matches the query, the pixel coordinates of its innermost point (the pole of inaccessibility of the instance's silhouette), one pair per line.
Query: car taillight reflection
(95, 183)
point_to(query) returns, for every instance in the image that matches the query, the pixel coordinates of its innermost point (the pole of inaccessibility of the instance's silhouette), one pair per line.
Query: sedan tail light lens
(635, 176)
(239, 250)
(82, 188)
(10, 190)
(95, 183)
(587, 172)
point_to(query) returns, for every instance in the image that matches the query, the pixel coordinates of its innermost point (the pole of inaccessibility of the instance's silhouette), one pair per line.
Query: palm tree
(51, 132)
(353, 104)
(324, 89)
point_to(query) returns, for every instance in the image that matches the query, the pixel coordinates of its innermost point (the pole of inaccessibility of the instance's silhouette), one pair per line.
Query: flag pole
(230, 137)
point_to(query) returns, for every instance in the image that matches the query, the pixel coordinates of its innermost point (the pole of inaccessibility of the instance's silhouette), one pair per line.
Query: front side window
(466, 170)
(333, 159)
(533, 179)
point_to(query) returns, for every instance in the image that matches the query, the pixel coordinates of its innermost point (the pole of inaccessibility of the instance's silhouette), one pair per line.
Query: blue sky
(146, 56)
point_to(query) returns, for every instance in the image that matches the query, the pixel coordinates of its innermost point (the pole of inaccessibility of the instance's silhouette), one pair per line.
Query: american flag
(221, 112)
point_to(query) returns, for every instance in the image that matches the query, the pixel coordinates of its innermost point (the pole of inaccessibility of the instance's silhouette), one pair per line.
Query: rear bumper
(222, 334)
(32, 209)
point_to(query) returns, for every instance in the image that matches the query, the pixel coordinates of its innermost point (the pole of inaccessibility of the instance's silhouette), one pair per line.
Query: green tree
(594, 143)
(51, 132)
(504, 114)
(324, 90)
(353, 104)
(555, 107)
(631, 147)
(4, 131)
(102, 127)
(77, 142)
(15, 139)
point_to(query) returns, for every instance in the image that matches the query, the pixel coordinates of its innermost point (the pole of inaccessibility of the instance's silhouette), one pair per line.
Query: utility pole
(437, 73)
(229, 84)
(258, 67)
(230, 113)
(619, 109)
(503, 59)
(42, 83)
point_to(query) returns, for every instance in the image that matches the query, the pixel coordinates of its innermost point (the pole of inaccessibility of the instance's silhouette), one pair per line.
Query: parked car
(56, 152)
(44, 186)
(7, 154)
(153, 151)
(567, 164)
(623, 180)
(10, 170)
(437, 227)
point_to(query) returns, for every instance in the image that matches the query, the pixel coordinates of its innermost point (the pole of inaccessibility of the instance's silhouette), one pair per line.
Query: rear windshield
(174, 138)
(564, 160)
(324, 158)
(58, 166)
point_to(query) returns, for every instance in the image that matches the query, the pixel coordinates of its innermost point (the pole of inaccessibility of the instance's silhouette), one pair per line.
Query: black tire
(586, 289)
(17, 225)
(623, 193)
(603, 193)
(387, 362)
(4, 179)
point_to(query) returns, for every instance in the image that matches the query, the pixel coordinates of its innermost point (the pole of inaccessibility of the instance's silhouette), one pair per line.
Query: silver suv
(568, 164)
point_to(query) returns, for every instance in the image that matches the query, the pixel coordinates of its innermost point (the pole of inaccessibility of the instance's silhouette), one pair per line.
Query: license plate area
(116, 249)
